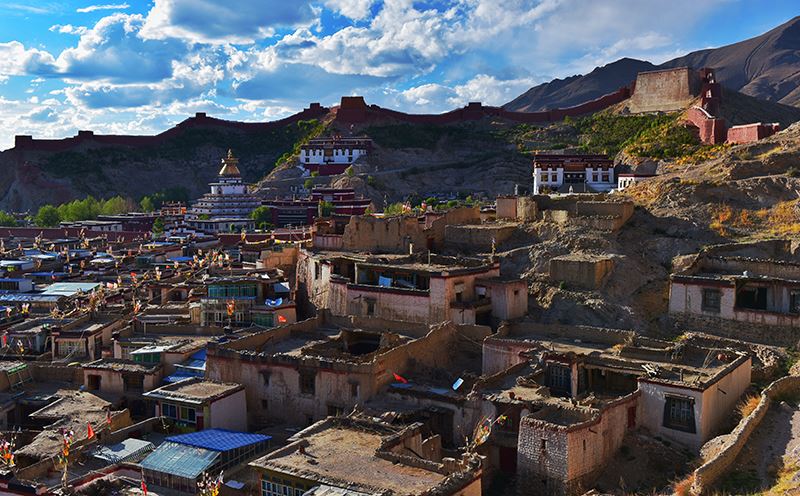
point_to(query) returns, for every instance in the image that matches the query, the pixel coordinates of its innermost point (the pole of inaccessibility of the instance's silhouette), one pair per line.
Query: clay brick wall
(624, 210)
(506, 207)
(478, 237)
(27, 143)
(665, 91)
(712, 130)
(47, 372)
(589, 272)
(751, 132)
(355, 110)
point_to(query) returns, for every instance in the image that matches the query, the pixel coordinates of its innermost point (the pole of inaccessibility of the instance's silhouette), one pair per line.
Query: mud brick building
(571, 394)
(361, 457)
(413, 288)
(199, 404)
(303, 372)
(741, 296)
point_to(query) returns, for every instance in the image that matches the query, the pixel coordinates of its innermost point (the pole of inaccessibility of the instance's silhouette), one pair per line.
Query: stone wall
(47, 372)
(725, 456)
(774, 335)
(711, 130)
(749, 133)
(570, 455)
(478, 236)
(665, 90)
(582, 270)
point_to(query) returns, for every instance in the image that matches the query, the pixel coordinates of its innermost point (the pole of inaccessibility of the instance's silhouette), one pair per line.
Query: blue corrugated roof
(180, 259)
(178, 376)
(180, 460)
(198, 355)
(218, 439)
(30, 297)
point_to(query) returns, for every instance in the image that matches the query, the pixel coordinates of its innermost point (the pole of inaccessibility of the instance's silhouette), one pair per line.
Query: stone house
(763, 292)
(200, 404)
(413, 288)
(570, 394)
(303, 372)
(362, 457)
(123, 379)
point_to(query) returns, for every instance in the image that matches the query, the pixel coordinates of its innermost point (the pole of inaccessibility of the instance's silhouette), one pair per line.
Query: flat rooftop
(73, 410)
(178, 343)
(194, 390)
(675, 362)
(320, 337)
(416, 262)
(347, 456)
(120, 365)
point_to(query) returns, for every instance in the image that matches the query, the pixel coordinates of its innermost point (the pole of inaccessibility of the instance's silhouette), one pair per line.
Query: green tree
(393, 209)
(326, 208)
(114, 206)
(146, 204)
(308, 183)
(158, 227)
(47, 216)
(262, 217)
(7, 220)
(314, 173)
(349, 171)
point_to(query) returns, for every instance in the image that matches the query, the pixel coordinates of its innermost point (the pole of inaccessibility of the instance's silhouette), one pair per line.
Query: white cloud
(113, 51)
(211, 21)
(69, 29)
(26, 8)
(354, 9)
(16, 60)
(489, 90)
(108, 6)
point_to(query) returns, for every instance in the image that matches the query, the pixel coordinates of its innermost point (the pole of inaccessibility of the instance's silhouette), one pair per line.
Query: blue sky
(138, 67)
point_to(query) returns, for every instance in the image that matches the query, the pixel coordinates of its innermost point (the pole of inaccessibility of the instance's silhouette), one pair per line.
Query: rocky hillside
(750, 190)
(574, 90)
(766, 67)
(187, 156)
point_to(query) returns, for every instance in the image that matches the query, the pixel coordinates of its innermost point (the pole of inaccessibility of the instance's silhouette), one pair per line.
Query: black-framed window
(559, 379)
(679, 414)
(308, 379)
(794, 302)
(711, 300)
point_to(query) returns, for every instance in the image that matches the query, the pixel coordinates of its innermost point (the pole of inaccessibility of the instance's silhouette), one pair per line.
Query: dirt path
(776, 442)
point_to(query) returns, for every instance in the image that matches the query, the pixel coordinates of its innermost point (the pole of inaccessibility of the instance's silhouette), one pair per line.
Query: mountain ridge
(765, 66)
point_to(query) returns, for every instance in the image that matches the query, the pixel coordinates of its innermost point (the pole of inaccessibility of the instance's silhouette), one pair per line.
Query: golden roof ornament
(230, 165)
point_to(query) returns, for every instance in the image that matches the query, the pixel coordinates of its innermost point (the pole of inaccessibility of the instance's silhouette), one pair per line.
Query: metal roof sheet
(218, 439)
(127, 450)
(180, 460)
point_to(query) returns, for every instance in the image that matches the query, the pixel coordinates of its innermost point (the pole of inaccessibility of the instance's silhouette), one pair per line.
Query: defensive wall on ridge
(665, 90)
(200, 119)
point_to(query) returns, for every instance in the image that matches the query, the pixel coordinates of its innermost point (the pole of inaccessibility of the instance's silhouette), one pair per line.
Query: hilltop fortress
(668, 90)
